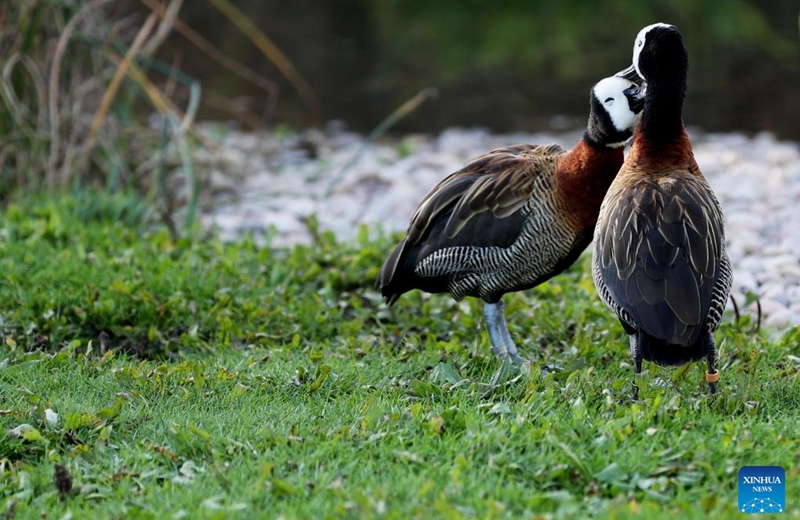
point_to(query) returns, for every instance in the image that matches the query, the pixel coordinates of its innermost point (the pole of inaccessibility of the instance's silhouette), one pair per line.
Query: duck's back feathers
(473, 214)
(659, 254)
(500, 181)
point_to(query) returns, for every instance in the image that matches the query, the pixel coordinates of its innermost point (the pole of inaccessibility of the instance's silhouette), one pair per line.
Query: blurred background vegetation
(505, 64)
(106, 93)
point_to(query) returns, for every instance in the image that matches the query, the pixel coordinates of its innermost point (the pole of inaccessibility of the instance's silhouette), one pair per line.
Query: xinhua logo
(762, 489)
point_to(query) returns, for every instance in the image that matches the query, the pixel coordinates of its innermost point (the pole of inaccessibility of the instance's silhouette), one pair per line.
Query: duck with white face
(659, 260)
(615, 104)
(653, 35)
(515, 217)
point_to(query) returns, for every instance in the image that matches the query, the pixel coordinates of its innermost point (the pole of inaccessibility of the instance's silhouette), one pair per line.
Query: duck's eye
(609, 101)
(641, 42)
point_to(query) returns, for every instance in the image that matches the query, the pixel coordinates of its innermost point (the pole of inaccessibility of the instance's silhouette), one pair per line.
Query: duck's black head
(614, 105)
(658, 54)
(661, 60)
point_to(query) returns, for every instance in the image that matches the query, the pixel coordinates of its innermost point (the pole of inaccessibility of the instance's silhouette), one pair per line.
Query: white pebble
(745, 281)
(779, 319)
(768, 307)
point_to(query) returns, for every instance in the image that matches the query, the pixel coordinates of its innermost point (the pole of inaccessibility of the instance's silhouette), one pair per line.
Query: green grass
(197, 379)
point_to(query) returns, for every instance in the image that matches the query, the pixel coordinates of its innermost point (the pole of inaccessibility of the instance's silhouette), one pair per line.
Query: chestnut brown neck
(658, 158)
(583, 177)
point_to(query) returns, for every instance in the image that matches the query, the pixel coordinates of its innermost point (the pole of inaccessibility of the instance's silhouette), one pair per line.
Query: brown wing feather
(500, 181)
(660, 252)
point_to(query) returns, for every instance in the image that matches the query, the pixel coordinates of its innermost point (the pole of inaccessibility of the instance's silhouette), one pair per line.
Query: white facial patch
(609, 92)
(638, 44)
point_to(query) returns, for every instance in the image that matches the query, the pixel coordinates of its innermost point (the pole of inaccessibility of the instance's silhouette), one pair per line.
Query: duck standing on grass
(515, 217)
(659, 258)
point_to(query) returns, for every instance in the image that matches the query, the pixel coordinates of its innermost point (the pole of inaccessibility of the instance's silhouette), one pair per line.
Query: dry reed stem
(162, 103)
(25, 156)
(215, 54)
(168, 17)
(72, 144)
(55, 72)
(172, 80)
(113, 87)
(16, 108)
(272, 52)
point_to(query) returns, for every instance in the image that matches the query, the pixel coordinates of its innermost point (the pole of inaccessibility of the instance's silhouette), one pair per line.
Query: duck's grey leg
(637, 364)
(502, 344)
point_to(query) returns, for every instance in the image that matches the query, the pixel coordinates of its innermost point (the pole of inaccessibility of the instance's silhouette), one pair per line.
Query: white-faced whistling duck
(659, 258)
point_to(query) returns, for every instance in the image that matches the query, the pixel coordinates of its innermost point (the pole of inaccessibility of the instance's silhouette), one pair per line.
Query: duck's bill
(635, 96)
(630, 74)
